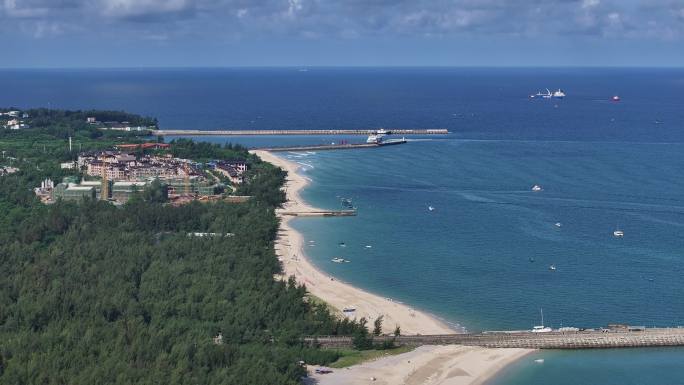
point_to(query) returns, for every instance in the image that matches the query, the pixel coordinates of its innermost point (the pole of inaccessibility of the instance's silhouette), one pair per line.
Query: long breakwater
(651, 337)
(438, 131)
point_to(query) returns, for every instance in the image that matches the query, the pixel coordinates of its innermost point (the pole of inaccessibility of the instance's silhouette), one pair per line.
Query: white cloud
(12, 10)
(142, 8)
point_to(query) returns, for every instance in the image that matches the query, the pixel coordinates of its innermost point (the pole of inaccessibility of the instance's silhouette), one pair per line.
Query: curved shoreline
(438, 365)
(290, 249)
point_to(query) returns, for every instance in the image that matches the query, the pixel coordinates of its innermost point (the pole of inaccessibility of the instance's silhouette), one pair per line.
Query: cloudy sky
(133, 33)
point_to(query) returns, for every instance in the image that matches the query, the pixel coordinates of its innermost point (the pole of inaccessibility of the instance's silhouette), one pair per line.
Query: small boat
(531, 259)
(539, 361)
(337, 260)
(368, 246)
(618, 233)
(536, 188)
(382, 131)
(615, 98)
(560, 94)
(373, 139)
(431, 208)
(552, 267)
(349, 309)
(342, 244)
(541, 328)
(558, 224)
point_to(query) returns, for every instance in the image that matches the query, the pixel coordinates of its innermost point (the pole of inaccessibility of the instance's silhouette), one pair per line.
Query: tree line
(91, 293)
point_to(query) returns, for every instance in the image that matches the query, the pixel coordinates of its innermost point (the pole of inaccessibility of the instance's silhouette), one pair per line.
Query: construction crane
(186, 181)
(104, 193)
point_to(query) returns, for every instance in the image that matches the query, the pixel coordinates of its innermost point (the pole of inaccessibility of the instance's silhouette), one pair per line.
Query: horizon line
(436, 66)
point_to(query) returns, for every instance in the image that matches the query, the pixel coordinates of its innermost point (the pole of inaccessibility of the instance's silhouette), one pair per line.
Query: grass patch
(355, 357)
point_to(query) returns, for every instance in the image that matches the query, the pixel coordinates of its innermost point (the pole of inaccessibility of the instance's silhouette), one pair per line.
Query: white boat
(337, 260)
(559, 94)
(368, 246)
(618, 233)
(373, 139)
(382, 131)
(558, 224)
(536, 188)
(615, 98)
(541, 328)
(539, 361)
(431, 208)
(552, 267)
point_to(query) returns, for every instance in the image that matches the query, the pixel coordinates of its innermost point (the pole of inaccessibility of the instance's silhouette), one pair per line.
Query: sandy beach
(290, 248)
(447, 365)
(428, 365)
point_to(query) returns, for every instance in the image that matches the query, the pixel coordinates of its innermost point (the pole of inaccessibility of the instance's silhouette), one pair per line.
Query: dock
(324, 147)
(594, 339)
(317, 213)
(437, 131)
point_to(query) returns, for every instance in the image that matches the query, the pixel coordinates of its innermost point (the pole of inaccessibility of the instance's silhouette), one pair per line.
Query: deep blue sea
(602, 165)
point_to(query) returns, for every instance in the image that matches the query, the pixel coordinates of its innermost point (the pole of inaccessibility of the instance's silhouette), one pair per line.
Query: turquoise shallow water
(601, 164)
(468, 261)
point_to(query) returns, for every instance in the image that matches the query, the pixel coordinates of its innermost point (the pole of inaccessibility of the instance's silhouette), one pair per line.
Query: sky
(228, 33)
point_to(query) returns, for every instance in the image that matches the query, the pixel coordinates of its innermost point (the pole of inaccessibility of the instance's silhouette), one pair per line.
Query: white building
(68, 165)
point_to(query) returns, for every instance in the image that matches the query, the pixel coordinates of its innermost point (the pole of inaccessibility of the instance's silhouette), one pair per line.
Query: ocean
(481, 258)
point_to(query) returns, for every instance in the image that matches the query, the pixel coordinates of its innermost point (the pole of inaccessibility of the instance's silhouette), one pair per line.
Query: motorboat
(431, 208)
(618, 233)
(615, 98)
(536, 188)
(338, 260)
(558, 224)
(552, 267)
(373, 139)
(539, 361)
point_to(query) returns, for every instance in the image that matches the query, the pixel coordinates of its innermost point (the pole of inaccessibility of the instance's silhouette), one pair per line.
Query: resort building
(234, 170)
(72, 192)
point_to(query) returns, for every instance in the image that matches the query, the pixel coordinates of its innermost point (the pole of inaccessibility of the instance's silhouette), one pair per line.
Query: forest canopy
(92, 293)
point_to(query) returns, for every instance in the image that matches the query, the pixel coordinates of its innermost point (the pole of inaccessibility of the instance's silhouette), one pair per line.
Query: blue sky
(161, 33)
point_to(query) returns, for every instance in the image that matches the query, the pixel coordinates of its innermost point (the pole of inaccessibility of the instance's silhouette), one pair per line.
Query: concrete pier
(438, 131)
(317, 213)
(594, 339)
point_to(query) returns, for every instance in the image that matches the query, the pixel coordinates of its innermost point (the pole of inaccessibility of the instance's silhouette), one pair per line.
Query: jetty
(324, 147)
(317, 213)
(588, 339)
(429, 131)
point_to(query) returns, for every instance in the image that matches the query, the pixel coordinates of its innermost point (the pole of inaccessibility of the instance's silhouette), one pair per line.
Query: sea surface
(481, 257)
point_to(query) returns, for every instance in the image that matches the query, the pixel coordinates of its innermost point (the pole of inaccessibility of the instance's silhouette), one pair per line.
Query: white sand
(428, 365)
(447, 365)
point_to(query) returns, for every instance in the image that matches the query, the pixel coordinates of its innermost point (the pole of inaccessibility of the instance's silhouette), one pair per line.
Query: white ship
(559, 94)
